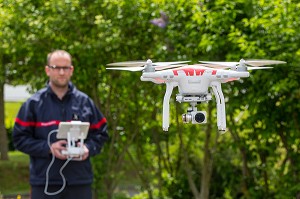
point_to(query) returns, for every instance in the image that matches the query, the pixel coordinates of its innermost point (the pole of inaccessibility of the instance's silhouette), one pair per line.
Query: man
(41, 114)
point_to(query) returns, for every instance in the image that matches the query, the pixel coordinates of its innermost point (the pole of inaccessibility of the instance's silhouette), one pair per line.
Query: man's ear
(47, 70)
(72, 70)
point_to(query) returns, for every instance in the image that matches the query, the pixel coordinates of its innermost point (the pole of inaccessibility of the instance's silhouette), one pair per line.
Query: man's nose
(61, 71)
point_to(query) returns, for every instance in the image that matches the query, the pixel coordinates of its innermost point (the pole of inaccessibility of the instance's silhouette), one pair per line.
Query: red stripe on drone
(189, 71)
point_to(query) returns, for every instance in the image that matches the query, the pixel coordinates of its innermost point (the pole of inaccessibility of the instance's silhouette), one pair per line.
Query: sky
(15, 93)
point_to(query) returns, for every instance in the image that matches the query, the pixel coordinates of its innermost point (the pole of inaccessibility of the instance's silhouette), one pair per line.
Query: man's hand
(57, 147)
(60, 145)
(86, 152)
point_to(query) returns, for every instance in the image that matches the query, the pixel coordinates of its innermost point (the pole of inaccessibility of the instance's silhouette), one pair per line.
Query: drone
(193, 82)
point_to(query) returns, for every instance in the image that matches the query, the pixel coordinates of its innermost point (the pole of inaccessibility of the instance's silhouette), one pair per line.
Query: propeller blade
(228, 64)
(143, 63)
(257, 68)
(128, 63)
(263, 62)
(169, 63)
(169, 66)
(133, 69)
(254, 63)
(212, 66)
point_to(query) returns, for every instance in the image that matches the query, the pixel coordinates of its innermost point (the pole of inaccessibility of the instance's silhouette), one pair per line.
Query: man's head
(59, 68)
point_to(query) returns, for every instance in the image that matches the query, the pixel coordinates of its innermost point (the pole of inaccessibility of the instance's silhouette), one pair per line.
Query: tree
(6, 40)
(188, 161)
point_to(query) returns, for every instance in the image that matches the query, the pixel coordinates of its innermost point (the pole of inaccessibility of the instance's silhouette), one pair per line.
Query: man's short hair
(58, 52)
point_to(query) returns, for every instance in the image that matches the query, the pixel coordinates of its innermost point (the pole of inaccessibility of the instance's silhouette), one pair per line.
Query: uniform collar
(71, 87)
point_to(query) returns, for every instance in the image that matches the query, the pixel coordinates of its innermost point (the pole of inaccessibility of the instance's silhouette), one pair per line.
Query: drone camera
(196, 117)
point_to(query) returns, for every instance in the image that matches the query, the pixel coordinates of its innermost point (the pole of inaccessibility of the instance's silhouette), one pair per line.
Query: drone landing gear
(166, 105)
(221, 115)
(192, 114)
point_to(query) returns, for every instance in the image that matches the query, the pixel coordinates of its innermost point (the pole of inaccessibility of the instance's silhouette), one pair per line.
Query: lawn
(14, 174)
(11, 111)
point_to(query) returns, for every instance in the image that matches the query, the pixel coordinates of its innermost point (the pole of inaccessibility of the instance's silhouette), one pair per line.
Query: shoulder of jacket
(39, 94)
(79, 93)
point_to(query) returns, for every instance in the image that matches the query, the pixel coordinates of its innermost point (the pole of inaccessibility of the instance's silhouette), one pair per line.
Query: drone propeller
(128, 63)
(243, 65)
(257, 68)
(210, 66)
(235, 67)
(157, 68)
(133, 69)
(259, 63)
(147, 66)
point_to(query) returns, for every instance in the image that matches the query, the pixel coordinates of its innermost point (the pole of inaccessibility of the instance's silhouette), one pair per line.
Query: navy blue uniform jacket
(41, 114)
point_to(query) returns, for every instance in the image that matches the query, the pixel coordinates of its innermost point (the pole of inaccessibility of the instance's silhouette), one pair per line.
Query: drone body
(193, 82)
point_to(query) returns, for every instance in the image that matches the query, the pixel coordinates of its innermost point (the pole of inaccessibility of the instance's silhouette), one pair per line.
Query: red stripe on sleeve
(99, 124)
(23, 123)
(37, 124)
(54, 123)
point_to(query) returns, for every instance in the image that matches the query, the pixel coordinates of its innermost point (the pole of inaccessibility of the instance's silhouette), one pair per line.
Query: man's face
(59, 70)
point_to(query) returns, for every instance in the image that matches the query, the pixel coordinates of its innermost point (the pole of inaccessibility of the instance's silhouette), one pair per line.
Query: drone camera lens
(186, 118)
(199, 117)
(183, 118)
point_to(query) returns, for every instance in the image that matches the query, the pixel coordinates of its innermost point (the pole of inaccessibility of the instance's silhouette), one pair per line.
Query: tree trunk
(206, 170)
(208, 159)
(3, 135)
(243, 151)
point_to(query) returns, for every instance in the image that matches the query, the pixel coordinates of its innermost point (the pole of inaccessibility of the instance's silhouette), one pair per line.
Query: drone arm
(166, 105)
(221, 115)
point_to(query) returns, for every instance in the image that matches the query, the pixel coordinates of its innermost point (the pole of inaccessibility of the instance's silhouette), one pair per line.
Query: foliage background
(257, 158)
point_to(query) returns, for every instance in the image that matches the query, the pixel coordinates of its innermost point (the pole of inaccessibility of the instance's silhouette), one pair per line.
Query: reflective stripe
(54, 123)
(99, 124)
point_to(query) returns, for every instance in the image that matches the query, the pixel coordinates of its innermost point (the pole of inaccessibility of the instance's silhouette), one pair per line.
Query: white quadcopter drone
(193, 82)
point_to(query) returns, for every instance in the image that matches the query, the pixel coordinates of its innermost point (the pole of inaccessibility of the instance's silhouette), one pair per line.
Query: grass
(14, 174)
(11, 111)
(12, 108)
